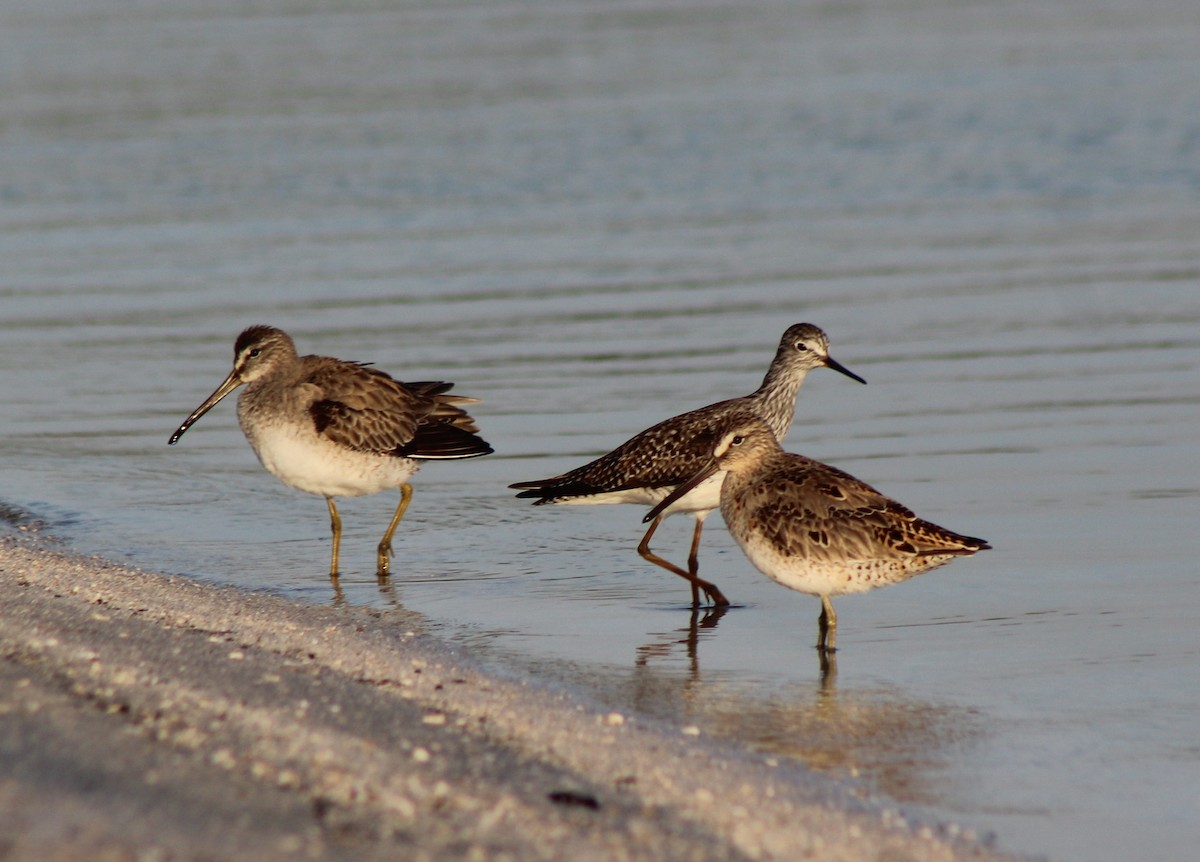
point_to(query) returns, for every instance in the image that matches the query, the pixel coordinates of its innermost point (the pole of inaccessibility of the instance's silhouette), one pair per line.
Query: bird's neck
(776, 398)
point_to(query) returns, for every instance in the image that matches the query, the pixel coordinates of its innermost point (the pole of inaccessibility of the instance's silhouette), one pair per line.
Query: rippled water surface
(595, 215)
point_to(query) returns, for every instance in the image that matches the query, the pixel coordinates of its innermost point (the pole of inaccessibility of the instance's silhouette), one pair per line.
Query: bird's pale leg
(335, 524)
(383, 558)
(710, 590)
(827, 625)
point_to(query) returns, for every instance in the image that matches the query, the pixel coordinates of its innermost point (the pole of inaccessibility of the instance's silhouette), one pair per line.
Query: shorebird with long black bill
(647, 467)
(340, 429)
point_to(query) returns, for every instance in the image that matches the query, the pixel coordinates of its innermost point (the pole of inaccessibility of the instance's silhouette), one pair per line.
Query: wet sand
(144, 716)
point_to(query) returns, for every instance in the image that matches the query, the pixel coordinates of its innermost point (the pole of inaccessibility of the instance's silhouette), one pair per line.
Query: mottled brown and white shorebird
(648, 466)
(812, 527)
(337, 428)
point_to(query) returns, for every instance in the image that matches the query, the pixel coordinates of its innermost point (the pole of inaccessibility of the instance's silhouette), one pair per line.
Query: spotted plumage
(648, 466)
(337, 428)
(812, 527)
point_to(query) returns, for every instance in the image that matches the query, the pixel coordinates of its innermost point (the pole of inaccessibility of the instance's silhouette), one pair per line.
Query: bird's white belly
(302, 459)
(698, 502)
(830, 577)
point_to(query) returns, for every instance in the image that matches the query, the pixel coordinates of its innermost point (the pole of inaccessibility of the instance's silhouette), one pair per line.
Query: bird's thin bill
(830, 362)
(228, 385)
(680, 491)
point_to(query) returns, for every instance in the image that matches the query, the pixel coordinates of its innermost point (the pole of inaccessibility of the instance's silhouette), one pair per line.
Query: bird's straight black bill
(230, 383)
(830, 362)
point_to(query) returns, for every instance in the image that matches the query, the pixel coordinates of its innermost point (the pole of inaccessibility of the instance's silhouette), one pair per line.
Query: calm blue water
(596, 215)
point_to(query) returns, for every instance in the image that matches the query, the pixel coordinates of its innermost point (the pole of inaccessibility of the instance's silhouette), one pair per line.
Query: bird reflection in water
(702, 619)
(388, 597)
(895, 743)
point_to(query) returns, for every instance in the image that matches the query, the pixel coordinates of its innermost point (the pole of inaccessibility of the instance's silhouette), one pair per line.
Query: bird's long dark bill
(679, 491)
(830, 362)
(230, 383)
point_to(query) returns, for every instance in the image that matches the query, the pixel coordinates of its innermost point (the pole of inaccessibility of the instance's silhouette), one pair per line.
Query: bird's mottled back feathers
(365, 409)
(813, 511)
(662, 456)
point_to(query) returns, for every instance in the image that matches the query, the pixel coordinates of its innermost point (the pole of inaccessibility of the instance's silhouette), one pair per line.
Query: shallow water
(594, 216)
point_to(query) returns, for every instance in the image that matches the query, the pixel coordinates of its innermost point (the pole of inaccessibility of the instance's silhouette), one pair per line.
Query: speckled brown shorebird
(340, 429)
(647, 467)
(812, 527)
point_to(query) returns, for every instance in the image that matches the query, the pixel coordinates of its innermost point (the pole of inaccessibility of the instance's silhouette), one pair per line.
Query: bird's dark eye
(801, 346)
(255, 353)
(737, 440)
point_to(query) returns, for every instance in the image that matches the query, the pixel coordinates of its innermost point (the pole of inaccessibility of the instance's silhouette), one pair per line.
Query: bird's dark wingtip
(540, 498)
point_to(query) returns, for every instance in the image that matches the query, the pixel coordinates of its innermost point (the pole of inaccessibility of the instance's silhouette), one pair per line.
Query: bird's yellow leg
(383, 558)
(827, 627)
(335, 524)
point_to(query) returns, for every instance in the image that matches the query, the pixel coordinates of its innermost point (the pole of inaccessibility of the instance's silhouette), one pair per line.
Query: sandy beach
(152, 717)
(593, 216)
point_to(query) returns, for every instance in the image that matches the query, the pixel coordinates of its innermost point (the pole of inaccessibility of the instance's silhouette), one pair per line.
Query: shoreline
(153, 716)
